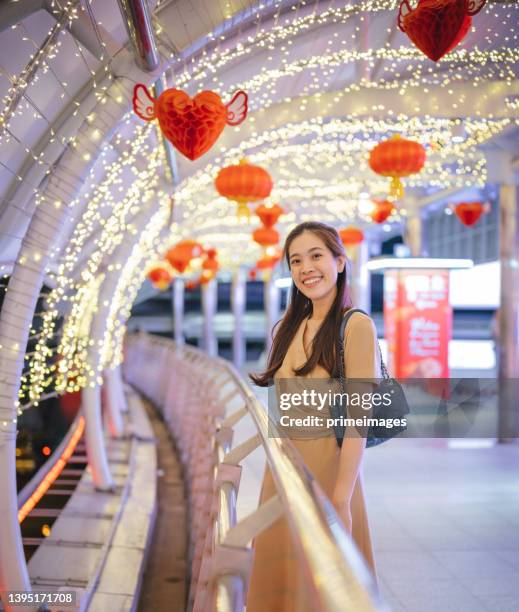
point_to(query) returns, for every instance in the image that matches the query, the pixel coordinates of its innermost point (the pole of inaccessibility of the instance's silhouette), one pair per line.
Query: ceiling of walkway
(326, 82)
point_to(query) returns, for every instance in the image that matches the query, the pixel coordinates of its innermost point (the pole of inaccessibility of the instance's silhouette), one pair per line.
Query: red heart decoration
(435, 26)
(465, 27)
(469, 212)
(192, 125)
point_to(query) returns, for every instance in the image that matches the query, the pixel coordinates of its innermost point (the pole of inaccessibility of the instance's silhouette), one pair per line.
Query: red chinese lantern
(266, 236)
(243, 183)
(268, 262)
(351, 236)
(269, 213)
(382, 210)
(437, 26)
(182, 253)
(160, 278)
(397, 157)
(469, 212)
(192, 125)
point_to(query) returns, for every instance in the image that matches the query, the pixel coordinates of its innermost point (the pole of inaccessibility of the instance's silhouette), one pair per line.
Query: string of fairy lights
(77, 326)
(19, 101)
(132, 276)
(319, 165)
(335, 148)
(109, 215)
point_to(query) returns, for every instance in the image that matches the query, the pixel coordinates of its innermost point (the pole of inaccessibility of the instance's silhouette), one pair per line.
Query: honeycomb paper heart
(436, 26)
(192, 125)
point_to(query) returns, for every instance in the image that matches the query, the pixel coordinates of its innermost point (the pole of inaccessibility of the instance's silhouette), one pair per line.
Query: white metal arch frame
(23, 289)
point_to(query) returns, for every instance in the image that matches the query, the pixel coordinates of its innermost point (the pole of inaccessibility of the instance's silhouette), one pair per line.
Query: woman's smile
(312, 281)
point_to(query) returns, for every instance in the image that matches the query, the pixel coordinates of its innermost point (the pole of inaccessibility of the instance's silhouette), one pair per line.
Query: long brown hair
(323, 347)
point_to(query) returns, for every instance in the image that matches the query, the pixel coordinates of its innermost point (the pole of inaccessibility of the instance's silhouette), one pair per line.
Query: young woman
(305, 346)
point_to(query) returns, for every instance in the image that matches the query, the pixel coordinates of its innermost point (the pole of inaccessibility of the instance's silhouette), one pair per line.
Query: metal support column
(177, 298)
(414, 234)
(508, 348)
(272, 300)
(238, 304)
(209, 303)
(359, 280)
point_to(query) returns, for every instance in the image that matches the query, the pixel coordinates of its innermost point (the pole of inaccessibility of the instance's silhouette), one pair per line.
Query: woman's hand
(342, 505)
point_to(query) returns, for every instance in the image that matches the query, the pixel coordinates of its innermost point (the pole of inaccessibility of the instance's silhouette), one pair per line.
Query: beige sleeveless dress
(277, 582)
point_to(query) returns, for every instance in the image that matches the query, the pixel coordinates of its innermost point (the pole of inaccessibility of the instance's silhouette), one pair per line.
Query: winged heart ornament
(192, 125)
(437, 26)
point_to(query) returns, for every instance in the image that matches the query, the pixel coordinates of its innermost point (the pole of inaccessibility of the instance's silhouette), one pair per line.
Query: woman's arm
(362, 366)
(351, 455)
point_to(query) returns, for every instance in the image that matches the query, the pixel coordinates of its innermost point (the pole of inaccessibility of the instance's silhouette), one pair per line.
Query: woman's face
(313, 266)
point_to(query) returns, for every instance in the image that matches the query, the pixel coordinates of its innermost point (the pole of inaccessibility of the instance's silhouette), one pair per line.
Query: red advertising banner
(417, 322)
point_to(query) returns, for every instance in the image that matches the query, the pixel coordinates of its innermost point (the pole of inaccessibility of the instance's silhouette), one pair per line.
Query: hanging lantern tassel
(243, 211)
(396, 188)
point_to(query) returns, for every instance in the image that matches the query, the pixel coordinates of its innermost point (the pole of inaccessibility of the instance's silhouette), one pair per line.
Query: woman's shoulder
(361, 323)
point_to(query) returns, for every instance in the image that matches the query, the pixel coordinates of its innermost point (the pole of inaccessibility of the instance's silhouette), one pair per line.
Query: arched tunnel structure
(138, 292)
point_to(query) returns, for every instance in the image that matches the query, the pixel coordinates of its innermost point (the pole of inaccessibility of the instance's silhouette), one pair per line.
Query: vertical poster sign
(418, 322)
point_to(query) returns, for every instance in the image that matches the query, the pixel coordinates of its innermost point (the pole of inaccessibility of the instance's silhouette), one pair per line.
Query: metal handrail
(340, 579)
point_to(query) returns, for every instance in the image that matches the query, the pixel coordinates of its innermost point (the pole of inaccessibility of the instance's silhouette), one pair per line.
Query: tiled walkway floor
(446, 525)
(445, 522)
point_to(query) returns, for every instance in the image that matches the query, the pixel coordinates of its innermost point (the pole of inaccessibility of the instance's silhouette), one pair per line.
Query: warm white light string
(195, 199)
